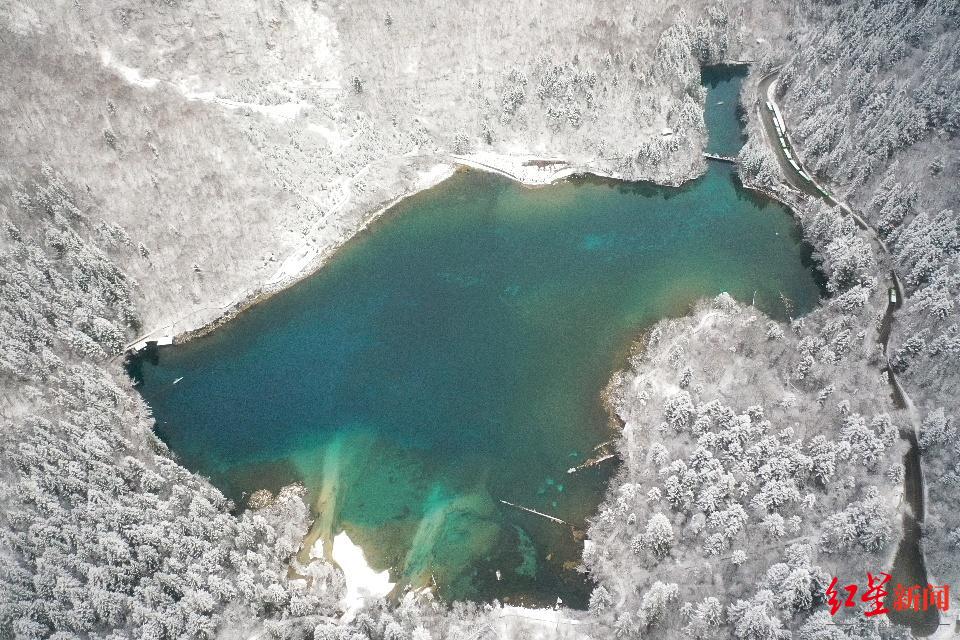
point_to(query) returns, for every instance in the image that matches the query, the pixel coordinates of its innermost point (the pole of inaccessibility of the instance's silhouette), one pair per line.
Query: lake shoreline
(447, 164)
(310, 268)
(607, 221)
(445, 167)
(526, 172)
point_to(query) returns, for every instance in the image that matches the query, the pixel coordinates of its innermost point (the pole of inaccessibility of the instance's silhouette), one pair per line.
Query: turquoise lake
(454, 355)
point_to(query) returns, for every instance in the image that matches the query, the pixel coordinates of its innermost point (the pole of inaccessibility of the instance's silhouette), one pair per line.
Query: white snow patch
(549, 617)
(527, 169)
(130, 74)
(334, 138)
(316, 551)
(282, 111)
(362, 582)
(433, 176)
(294, 265)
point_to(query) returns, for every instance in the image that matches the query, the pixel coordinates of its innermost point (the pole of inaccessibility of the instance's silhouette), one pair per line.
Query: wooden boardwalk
(714, 156)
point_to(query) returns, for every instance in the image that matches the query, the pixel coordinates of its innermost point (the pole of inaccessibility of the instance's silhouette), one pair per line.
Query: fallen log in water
(591, 463)
(605, 451)
(537, 513)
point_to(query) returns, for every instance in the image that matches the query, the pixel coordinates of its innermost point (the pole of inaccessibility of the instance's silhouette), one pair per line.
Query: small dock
(140, 345)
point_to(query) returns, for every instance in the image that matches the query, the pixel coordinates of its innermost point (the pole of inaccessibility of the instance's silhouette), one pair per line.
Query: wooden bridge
(714, 156)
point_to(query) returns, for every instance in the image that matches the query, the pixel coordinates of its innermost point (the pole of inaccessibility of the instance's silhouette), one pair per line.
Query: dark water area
(455, 354)
(909, 566)
(722, 110)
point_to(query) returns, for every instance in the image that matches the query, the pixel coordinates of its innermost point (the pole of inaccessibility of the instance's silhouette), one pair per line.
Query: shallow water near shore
(454, 355)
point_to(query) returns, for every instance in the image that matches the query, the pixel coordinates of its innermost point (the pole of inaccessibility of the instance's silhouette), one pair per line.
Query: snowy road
(910, 560)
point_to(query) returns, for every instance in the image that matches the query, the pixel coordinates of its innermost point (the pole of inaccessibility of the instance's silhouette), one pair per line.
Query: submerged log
(592, 462)
(605, 451)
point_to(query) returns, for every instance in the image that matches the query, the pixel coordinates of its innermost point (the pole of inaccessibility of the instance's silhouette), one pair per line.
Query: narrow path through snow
(777, 135)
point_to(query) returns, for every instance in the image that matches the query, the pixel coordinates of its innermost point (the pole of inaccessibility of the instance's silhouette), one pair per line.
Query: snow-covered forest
(101, 528)
(879, 122)
(240, 144)
(760, 461)
(165, 163)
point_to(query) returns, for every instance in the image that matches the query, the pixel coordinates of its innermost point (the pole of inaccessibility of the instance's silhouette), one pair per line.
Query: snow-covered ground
(520, 622)
(282, 111)
(130, 74)
(528, 169)
(363, 583)
(307, 257)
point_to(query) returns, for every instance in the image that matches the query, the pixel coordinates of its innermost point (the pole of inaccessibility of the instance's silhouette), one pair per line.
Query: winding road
(909, 565)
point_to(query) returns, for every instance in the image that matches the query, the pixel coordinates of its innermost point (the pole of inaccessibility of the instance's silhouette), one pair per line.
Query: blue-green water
(721, 108)
(455, 355)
